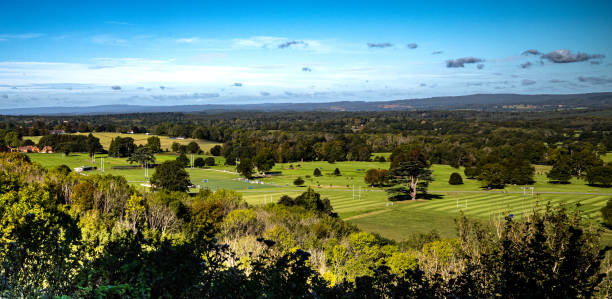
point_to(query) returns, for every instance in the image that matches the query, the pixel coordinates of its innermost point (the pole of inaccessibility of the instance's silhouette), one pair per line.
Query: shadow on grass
(427, 196)
(599, 185)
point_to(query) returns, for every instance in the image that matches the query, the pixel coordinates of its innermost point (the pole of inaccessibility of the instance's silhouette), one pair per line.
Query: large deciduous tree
(154, 144)
(264, 160)
(171, 175)
(142, 155)
(245, 168)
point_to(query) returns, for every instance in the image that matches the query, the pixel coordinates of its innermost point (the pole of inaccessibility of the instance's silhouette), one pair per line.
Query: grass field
(370, 209)
(166, 142)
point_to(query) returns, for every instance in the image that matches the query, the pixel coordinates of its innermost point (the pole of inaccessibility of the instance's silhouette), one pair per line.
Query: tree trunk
(413, 187)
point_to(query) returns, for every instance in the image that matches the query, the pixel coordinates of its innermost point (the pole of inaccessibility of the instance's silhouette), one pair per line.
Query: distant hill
(484, 102)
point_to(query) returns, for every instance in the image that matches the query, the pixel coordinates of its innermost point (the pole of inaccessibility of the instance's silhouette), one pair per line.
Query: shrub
(299, 181)
(215, 150)
(210, 161)
(316, 172)
(199, 162)
(455, 179)
(337, 172)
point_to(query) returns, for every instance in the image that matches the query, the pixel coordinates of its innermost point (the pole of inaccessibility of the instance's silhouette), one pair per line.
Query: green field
(166, 142)
(369, 208)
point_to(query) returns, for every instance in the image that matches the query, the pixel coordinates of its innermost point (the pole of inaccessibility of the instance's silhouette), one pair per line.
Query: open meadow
(166, 142)
(368, 207)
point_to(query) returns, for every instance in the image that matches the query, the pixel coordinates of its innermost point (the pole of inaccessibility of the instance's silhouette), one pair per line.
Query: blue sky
(80, 53)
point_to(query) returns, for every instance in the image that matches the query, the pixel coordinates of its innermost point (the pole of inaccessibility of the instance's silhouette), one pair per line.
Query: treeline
(72, 143)
(65, 234)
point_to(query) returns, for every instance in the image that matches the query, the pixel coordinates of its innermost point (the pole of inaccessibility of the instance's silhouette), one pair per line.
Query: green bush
(455, 179)
(299, 181)
(199, 162)
(210, 161)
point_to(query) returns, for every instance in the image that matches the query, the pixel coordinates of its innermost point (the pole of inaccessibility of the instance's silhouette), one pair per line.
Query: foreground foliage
(64, 234)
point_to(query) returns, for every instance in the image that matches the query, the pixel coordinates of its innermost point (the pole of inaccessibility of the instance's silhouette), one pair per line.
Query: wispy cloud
(557, 81)
(480, 66)
(437, 52)
(595, 80)
(107, 39)
(273, 42)
(531, 52)
(6, 37)
(292, 43)
(412, 46)
(527, 82)
(379, 45)
(237, 84)
(566, 56)
(116, 87)
(460, 62)
(117, 23)
(187, 40)
(306, 69)
(526, 65)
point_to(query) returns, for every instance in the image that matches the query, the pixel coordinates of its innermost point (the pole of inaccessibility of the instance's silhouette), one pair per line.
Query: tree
(171, 175)
(264, 160)
(518, 172)
(471, 172)
(606, 213)
(154, 143)
(549, 253)
(142, 155)
(560, 173)
(600, 175)
(199, 162)
(409, 171)
(376, 177)
(93, 145)
(175, 147)
(216, 150)
(121, 147)
(317, 172)
(492, 175)
(455, 179)
(337, 172)
(245, 168)
(193, 147)
(209, 161)
(298, 181)
(183, 160)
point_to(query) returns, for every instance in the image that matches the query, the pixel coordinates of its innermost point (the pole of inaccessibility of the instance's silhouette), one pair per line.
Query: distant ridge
(485, 102)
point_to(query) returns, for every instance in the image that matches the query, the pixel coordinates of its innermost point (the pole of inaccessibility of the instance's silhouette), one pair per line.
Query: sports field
(368, 207)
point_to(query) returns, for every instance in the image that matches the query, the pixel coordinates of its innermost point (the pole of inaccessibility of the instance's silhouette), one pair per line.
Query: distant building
(57, 132)
(25, 149)
(130, 132)
(47, 150)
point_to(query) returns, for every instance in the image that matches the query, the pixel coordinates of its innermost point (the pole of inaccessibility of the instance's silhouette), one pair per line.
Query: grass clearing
(373, 212)
(166, 142)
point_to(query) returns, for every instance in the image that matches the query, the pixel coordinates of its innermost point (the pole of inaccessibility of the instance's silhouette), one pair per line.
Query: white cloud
(189, 40)
(5, 37)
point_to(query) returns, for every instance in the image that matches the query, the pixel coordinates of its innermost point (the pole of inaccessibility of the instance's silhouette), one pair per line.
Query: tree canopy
(171, 175)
